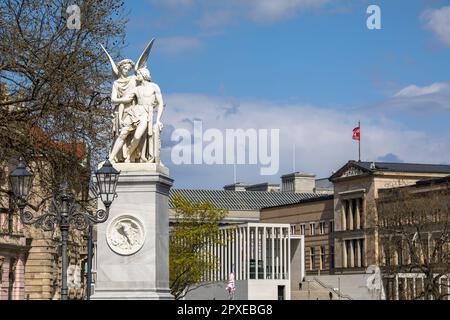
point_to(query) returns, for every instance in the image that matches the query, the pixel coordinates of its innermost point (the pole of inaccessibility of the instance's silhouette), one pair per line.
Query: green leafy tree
(196, 227)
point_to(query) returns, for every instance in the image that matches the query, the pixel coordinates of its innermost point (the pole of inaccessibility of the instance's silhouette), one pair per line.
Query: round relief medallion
(125, 235)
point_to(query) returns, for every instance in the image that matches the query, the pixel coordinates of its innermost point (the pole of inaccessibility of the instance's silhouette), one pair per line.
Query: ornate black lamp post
(64, 210)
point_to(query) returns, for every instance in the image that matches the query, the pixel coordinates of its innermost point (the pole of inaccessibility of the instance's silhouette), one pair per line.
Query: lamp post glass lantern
(64, 211)
(107, 178)
(21, 180)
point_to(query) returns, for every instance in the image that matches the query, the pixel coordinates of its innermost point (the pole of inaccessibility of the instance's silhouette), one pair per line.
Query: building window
(352, 217)
(322, 227)
(302, 229)
(345, 211)
(331, 226)
(293, 229)
(311, 259)
(312, 230)
(354, 253)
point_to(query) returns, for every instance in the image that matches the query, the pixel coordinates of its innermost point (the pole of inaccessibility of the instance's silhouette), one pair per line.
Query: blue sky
(308, 67)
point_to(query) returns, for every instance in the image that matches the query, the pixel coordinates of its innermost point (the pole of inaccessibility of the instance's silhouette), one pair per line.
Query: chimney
(298, 182)
(266, 187)
(238, 186)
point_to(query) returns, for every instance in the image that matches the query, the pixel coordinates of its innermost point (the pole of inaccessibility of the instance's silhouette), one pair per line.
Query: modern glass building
(259, 256)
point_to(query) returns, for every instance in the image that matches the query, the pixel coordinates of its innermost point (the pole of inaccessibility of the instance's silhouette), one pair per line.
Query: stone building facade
(346, 223)
(30, 263)
(13, 251)
(414, 236)
(313, 219)
(356, 187)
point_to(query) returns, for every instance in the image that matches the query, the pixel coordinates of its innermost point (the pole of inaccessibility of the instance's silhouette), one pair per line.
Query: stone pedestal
(132, 258)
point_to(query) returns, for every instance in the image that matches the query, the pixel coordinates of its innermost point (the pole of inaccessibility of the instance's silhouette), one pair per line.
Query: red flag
(356, 134)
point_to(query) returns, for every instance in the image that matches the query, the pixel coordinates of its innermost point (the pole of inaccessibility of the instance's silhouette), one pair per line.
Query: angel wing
(115, 71)
(142, 61)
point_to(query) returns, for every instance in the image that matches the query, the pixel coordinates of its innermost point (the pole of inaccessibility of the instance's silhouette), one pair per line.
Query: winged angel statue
(136, 135)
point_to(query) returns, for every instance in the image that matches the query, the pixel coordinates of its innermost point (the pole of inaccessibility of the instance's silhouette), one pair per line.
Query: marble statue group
(136, 133)
(132, 256)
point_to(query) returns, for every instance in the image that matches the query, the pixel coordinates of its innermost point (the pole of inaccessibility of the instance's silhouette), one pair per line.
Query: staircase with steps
(314, 290)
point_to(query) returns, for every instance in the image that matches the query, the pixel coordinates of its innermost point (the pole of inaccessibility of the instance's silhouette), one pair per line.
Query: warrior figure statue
(136, 98)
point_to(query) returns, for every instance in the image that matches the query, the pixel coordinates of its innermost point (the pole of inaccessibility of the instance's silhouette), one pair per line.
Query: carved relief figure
(125, 236)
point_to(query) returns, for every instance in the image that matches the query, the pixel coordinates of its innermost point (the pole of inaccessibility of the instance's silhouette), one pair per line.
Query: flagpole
(359, 142)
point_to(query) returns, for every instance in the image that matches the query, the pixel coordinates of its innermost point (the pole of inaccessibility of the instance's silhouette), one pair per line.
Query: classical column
(244, 253)
(275, 254)
(396, 287)
(247, 253)
(208, 259)
(219, 258)
(448, 288)
(204, 258)
(242, 258)
(282, 249)
(238, 254)
(350, 214)
(214, 258)
(227, 254)
(230, 252)
(255, 250)
(344, 254)
(423, 287)
(352, 254)
(279, 253)
(358, 253)
(344, 216)
(440, 285)
(272, 233)
(406, 288)
(286, 257)
(264, 252)
(358, 214)
(222, 256)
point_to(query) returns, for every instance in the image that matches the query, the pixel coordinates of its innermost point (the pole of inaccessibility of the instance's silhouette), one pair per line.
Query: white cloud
(173, 3)
(322, 137)
(426, 100)
(415, 91)
(438, 20)
(269, 10)
(222, 12)
(179, 45)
